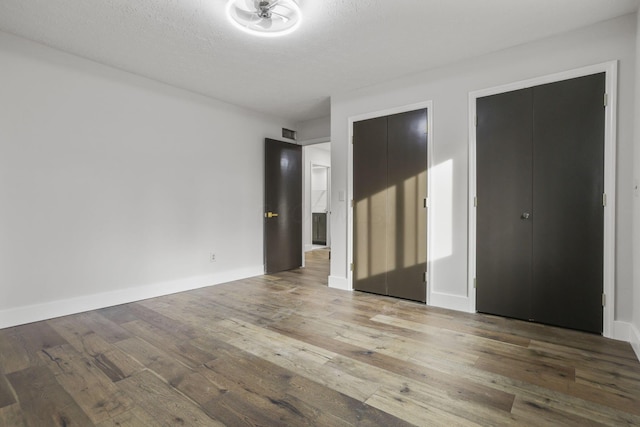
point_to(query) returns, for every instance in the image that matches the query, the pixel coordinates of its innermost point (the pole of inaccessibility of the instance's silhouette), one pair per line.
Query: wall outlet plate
(212, 257)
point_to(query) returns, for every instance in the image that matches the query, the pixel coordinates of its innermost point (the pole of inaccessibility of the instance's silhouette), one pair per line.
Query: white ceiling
(342, 44)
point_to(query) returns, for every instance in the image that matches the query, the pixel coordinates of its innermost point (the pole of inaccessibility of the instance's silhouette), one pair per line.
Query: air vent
(288, 133)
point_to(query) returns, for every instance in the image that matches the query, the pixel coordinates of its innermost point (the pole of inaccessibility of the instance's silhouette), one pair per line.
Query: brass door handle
(270, 215)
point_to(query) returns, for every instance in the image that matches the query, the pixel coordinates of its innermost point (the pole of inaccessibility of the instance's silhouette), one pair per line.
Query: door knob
(525, 215)
(270, 215)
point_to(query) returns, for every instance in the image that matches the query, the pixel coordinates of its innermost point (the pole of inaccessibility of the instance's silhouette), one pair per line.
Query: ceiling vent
(288, 133)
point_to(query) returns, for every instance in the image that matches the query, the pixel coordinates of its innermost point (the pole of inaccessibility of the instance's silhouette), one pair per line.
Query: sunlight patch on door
(415, 225)
(371, 231)
(391, 228)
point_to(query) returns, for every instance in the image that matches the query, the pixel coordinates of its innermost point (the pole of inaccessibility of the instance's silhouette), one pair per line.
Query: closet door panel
(568, 184)
(370, 205)
(406, 215)
(504, 191)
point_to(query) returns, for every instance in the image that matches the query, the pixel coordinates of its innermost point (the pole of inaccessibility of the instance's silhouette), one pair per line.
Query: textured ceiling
(342, 44)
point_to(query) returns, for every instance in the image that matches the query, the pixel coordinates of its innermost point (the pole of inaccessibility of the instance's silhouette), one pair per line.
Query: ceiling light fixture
(266, 18)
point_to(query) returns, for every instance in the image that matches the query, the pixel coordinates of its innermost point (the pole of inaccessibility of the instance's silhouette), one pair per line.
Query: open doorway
(320, 187)
(317, 198)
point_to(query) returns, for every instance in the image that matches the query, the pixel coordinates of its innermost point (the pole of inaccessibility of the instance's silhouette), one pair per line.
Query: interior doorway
(317, 196)
(320, 201)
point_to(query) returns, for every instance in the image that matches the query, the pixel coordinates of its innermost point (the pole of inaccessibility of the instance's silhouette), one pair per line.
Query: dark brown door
(407, 215)
(390, 182)
(283, 206)
(540, 178)
(370, 205)
(568, 184)
(504, 186)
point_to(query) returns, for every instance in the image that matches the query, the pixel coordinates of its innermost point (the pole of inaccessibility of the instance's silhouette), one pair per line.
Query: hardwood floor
(285, 350)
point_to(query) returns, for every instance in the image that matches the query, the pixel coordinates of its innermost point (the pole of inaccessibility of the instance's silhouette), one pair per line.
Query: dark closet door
(406, 214)
(283, 206)
(370, 205)
(504, 195)
(390, 223)
(540, 184)
(568, 184)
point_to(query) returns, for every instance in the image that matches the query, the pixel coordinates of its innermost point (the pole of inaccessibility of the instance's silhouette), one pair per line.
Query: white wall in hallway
(315, 129)
(319, 189)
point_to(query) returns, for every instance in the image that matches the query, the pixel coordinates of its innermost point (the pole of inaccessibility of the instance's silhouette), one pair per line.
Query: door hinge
(351, 266)
(606, 99)
(352, 139)
(475, 120)
(474, 283)
(604, 300)
(475, 202)
(604, 199)
(351, 202)
(424, 277)
(426, 202)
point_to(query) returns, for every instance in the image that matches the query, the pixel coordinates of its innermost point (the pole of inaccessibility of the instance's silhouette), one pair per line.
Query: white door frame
(611, 86)
(382, 113)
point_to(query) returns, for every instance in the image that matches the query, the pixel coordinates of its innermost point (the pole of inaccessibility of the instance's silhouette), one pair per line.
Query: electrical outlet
(212, 257)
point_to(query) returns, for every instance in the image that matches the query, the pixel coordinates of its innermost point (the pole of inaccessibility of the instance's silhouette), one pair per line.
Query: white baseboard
(338, 282)
(625, 331)
(448, 301)
(34, 313)
(634, 339)
(621, 331)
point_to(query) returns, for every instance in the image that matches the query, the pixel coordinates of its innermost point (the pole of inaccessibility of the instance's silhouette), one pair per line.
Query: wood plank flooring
(285, 350)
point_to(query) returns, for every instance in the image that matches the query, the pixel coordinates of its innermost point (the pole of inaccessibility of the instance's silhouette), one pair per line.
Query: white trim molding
(314, 141)
(449, 301)
(337, 282)
(382, 113)
(611, 71)
(49, 310)
(625, 331)
(634, 339)
(621, 331)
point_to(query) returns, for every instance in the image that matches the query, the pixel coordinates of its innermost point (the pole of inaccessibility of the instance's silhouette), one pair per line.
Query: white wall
(316, 130)
(114, 187)
(318, 154)
(448, 88)
(319, 189)
(635, 330)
